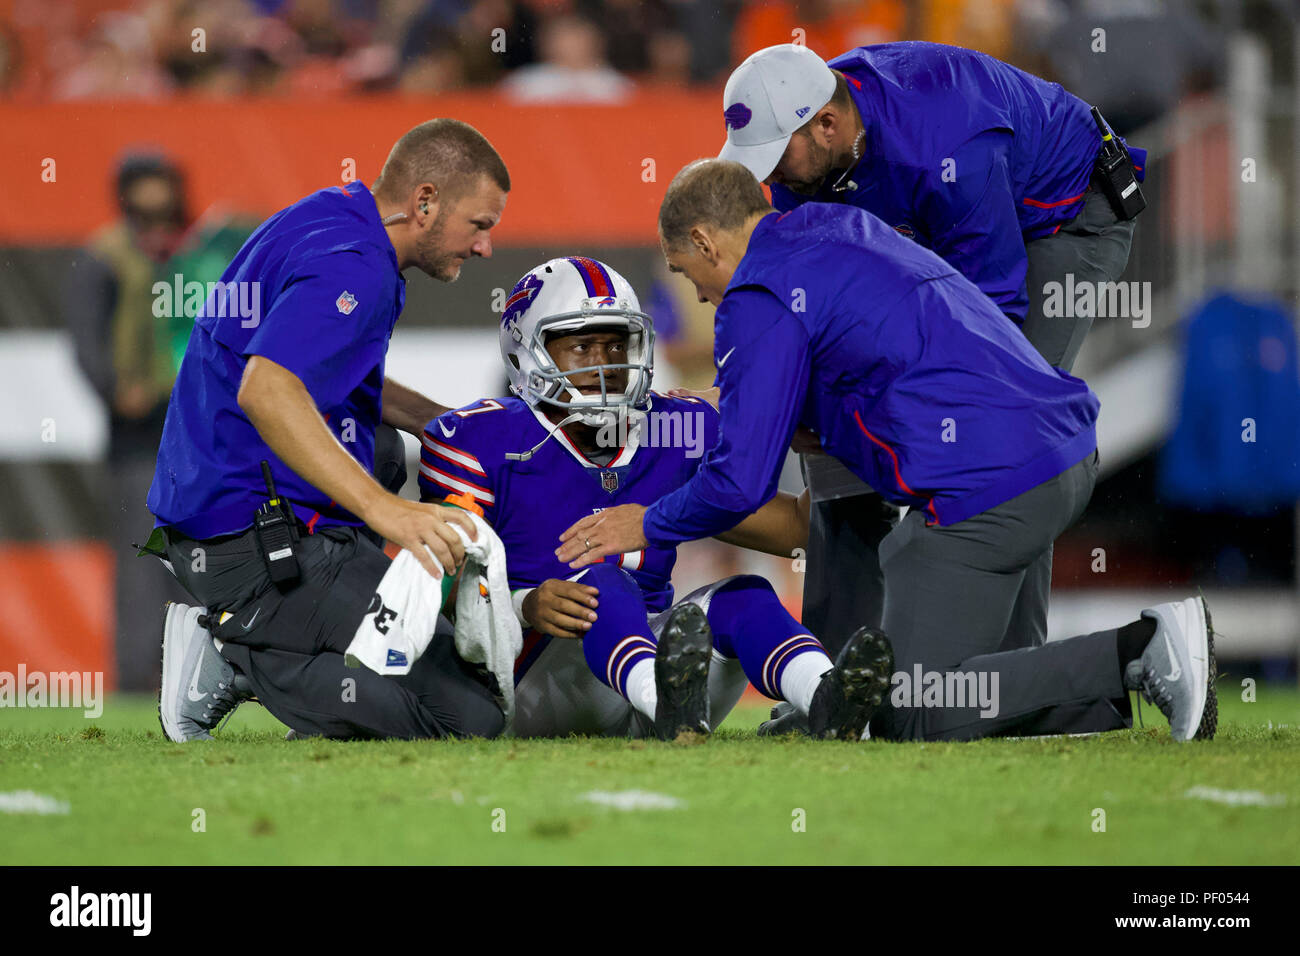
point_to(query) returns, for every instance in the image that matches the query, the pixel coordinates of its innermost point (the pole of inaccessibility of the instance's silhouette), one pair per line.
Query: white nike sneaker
(1177, 670)
(199, 686)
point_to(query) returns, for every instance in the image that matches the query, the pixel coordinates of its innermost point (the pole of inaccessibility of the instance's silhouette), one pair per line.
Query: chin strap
(525, 455)
(633, 417)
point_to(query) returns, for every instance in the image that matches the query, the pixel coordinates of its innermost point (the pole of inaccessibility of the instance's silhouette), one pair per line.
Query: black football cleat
(682, 673)
(854, 688)
(784, 720)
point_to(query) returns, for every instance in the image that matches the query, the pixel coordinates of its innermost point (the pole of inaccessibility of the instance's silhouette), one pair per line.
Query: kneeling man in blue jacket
(829, 319)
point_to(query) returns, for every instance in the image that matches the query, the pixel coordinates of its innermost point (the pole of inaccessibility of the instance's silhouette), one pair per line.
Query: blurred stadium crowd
(544, 50)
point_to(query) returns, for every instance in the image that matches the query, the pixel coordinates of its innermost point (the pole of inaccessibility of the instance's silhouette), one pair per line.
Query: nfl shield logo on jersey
(346, 303)
(609, 481)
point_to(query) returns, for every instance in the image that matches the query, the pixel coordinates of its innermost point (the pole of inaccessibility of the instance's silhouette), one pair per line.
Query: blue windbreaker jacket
(908, 373)
(967, 155)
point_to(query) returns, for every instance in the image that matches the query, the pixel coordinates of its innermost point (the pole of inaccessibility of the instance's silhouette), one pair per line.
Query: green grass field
(132, 797)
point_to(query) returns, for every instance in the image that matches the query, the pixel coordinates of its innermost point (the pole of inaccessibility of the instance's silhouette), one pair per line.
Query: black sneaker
(682, 673)
(850, 692)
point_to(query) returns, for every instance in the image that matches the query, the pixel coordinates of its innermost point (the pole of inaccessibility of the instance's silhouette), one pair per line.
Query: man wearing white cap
(988, 166)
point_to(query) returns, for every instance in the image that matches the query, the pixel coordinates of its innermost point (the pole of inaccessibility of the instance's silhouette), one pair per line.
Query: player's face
(461, 231)
(595, 347)
(804, 165)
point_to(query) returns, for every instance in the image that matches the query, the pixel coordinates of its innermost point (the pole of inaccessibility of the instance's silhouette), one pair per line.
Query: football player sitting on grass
(606, 651)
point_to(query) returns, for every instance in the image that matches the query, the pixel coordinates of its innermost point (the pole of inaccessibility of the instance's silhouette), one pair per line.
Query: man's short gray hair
(709, 192)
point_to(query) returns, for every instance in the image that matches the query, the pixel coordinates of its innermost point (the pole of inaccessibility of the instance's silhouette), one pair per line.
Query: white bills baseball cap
(767, 98)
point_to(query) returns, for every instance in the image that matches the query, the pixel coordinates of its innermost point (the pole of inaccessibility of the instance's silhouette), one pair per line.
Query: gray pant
(1093, 247)
(843, 587)
(292, 650)
(290, 645)
(952, 598)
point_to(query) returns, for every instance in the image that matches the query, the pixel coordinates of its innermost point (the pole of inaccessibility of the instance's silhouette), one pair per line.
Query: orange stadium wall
(589, 173)
(56, 608)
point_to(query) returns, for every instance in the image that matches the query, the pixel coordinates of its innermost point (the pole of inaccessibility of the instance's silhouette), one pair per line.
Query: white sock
(641, 687)
(801, 676)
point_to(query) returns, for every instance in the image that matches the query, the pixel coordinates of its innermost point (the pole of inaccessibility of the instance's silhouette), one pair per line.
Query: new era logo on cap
(768, 98)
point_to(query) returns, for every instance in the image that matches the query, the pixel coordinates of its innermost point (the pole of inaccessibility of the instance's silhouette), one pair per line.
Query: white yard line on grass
(1236, 798)
(28, 801)
(633, 800)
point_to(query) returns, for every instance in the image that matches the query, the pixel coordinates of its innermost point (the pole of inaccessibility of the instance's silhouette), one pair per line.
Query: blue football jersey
(530, 503)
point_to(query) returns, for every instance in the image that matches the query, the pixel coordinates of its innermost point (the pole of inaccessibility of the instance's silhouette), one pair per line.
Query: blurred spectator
(118, 62)
(446, 44)
(572, 69)
(130, 355)
(830, 27)
(984, 25)
(10, 59)
(708, 26)
(437, 71)
(628, 27)
(108, 49)
(669, 54)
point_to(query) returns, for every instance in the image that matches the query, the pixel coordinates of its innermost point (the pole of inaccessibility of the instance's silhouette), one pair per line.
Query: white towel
(403, 615)
(487, 631)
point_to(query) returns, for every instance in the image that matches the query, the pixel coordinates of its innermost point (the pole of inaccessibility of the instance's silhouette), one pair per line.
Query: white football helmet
(564, 296)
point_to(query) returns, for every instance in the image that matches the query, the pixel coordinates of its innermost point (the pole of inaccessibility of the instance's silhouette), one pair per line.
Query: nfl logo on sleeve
(346, 303)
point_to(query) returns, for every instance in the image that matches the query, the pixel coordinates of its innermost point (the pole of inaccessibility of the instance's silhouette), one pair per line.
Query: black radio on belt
(277, 532)
(1115, 173)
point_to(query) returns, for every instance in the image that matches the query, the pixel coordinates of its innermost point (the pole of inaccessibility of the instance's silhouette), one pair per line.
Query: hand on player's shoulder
(695, 395)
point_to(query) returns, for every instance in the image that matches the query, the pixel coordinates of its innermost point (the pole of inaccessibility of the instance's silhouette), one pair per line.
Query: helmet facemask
(543, 383)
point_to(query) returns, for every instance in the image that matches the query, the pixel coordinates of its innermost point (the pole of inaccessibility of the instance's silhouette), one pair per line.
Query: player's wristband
(517, 599)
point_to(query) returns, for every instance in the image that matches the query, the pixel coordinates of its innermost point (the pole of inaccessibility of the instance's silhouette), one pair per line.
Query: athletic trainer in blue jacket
(964, 154)
(986, 165)
(285, 371)
(829, 319)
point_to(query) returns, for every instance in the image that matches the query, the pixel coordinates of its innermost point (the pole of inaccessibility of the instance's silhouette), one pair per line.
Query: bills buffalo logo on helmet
(737, 116)
(521, 296)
